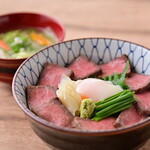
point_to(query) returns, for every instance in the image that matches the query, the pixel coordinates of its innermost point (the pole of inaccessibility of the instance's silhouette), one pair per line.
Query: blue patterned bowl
(99, 50)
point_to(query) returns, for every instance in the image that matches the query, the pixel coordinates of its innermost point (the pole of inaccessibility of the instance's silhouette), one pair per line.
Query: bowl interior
(99, 50)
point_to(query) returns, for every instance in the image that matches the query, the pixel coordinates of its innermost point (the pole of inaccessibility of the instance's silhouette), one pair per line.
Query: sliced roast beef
(54, 112)
(115, 66)
(129, 117)
(37, 95)
(82, 68)
(89, 125)
(143, 102)
(138, 82)
(51, 75)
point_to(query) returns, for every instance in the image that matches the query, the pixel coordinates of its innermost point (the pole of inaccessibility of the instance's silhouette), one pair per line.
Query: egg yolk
(96, 89)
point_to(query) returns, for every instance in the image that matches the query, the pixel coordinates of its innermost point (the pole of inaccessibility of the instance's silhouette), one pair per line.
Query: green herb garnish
(113, 104)
(118, 79)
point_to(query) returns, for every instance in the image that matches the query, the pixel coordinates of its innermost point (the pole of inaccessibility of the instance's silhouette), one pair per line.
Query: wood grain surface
(121, 19)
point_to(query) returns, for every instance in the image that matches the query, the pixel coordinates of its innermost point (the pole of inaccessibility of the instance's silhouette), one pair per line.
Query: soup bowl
(22, 20)
(99, 50)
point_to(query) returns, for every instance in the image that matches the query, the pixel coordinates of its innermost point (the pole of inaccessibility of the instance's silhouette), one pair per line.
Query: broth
(23, 43)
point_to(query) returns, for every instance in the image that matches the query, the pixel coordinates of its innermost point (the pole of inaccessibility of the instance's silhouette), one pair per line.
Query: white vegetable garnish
(67, 94)
(17, 40)
(97, 89)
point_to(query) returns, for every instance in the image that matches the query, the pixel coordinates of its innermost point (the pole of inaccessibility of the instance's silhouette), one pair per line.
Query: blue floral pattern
(99, 50)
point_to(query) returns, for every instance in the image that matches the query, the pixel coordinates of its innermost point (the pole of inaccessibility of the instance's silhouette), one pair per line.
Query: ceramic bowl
(99, 50)
(25, 20)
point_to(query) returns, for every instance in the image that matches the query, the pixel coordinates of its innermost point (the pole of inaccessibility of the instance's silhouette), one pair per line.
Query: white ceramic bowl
(99, 50)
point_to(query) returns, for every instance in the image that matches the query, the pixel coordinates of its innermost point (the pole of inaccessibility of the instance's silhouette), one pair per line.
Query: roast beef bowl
(87, 94)
(21, 35)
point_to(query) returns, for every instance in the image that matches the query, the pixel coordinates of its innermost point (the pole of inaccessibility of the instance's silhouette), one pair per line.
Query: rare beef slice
(143, 102)
(115, 66)
(89, 125)
(51, 75)
(37, 95)
(82, 68)
(56, 113)
(129, 117)
(138, 82)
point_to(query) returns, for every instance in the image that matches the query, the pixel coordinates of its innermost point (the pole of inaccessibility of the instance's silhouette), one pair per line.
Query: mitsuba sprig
(119, 79)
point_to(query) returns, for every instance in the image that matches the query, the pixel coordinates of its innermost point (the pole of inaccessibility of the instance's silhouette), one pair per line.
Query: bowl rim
(39, 14)
(52, 126)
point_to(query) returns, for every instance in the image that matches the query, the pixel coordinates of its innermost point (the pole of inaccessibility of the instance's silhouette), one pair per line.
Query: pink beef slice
(82, 68)
(89, 125)
(37, 95)
(138, 82)
(143, 102)
(56, 113)
(115, 66)
(129, 117)
(51, 75)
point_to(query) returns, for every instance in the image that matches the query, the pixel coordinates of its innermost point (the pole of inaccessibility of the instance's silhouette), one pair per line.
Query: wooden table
(123, 19)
